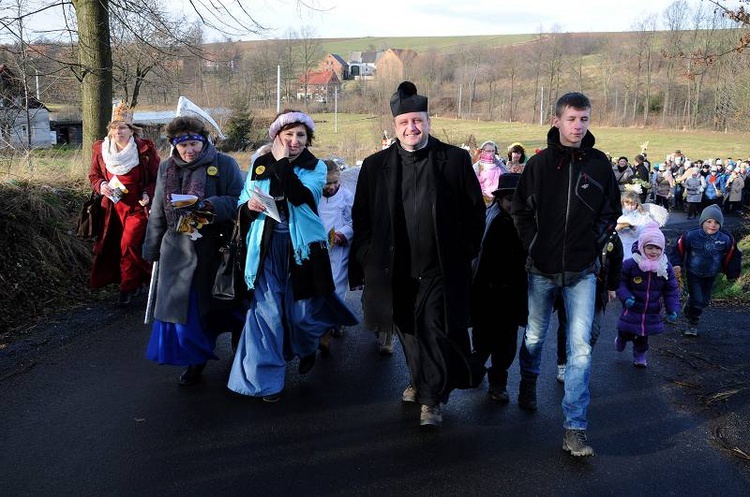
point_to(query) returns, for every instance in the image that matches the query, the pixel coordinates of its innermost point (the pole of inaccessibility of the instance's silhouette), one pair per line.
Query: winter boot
(576, 442)
(639, 359)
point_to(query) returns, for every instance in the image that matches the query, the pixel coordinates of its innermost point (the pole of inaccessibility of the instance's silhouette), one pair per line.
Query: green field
(359, 135)
(420, 44)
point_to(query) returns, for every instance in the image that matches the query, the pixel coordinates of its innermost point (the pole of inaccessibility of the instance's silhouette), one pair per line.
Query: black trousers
(438, 358)
(497, 342)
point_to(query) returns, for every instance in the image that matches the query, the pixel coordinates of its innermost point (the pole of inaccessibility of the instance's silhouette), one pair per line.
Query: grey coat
(186, 264)
(734, 189)
(694, 188)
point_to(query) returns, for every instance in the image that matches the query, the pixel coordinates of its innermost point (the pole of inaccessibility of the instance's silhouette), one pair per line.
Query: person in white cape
(335, 210)
(636, 216)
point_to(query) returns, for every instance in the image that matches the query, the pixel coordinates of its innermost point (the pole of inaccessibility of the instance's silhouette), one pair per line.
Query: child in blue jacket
(704, 252)
(647, 286)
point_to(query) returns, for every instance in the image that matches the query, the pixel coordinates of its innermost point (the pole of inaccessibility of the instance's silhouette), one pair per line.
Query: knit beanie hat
(651, 235)
(711, 212)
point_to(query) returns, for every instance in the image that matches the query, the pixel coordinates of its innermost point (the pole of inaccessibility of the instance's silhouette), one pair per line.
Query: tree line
(682, 68)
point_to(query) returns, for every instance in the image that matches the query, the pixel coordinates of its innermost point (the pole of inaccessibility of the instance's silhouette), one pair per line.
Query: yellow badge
(260, 170)
(212, 170)
(610, 247)
(637, 280)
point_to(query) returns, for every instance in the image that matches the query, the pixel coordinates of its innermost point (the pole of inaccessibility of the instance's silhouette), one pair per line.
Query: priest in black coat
(418, 219)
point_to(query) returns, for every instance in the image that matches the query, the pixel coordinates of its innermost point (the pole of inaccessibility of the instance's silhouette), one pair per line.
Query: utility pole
(278, 88)
(460, 92)
(541, 108)
(335, 109)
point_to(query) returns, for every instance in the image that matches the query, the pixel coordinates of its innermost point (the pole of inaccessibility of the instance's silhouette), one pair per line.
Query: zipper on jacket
(645, 308)
(567, 217)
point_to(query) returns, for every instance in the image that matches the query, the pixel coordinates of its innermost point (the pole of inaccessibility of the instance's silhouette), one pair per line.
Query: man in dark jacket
(565, 207)
(418, 218)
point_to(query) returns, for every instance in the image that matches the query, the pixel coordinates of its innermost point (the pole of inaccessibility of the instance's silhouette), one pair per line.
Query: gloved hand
(629, 303)
(198, 205)
(672, 318)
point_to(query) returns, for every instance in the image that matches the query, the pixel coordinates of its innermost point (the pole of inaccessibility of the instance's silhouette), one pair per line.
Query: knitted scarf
(185, 177)
(305, 227)
(659, 266)
(121, 162)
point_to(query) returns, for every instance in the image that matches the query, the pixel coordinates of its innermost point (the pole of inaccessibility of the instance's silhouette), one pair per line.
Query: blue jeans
(579, 299)
(699, 290)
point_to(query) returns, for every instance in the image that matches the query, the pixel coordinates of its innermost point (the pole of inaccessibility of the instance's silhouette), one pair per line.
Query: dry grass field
(359, 136)
(355, 136)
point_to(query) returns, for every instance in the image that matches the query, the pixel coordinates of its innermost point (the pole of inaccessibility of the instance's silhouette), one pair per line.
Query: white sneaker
(561, 373)
(409, 395)
(691, 331)
(431, 416)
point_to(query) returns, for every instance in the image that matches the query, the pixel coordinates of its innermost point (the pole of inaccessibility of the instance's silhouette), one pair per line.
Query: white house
(22, 122)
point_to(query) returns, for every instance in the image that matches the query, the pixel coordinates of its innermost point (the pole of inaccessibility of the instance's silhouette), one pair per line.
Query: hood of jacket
(575, 202)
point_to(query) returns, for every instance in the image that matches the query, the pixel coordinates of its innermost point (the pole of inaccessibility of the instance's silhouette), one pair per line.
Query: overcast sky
(378, 18)
(359, 18)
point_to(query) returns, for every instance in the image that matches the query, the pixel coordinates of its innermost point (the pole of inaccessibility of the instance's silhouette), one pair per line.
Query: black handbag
(91, 218)
(229, 276)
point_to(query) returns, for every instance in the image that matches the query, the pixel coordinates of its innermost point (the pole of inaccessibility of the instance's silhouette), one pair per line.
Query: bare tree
(552, 64)
(258, 73)
(309, 53)
(675, 18)
(89, 28)
(145, 43)
(645, 31)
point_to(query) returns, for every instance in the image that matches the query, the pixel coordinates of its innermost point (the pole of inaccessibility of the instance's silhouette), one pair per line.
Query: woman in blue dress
(186, 242)
(287, 266)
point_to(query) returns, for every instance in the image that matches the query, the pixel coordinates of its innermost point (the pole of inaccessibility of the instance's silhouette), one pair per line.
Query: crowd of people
(439, 244)
(685, 185)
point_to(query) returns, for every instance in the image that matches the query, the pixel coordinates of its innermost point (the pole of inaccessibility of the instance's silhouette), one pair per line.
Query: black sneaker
(576, 442)
(274, 397)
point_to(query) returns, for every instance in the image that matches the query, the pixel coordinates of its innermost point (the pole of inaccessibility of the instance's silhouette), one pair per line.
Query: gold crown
(514, 144)
(121, 113)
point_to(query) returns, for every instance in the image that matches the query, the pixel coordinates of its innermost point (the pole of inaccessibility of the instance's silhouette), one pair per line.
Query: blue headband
(187, 137)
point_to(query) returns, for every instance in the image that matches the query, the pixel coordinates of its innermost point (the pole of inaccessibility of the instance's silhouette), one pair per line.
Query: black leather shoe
(192, 374)
(306, 363)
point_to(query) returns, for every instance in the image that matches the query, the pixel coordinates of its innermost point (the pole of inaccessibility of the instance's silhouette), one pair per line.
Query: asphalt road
(89, 415)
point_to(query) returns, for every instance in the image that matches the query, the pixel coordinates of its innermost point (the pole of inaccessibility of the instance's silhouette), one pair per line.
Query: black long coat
(500, 285)
(458, 213)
